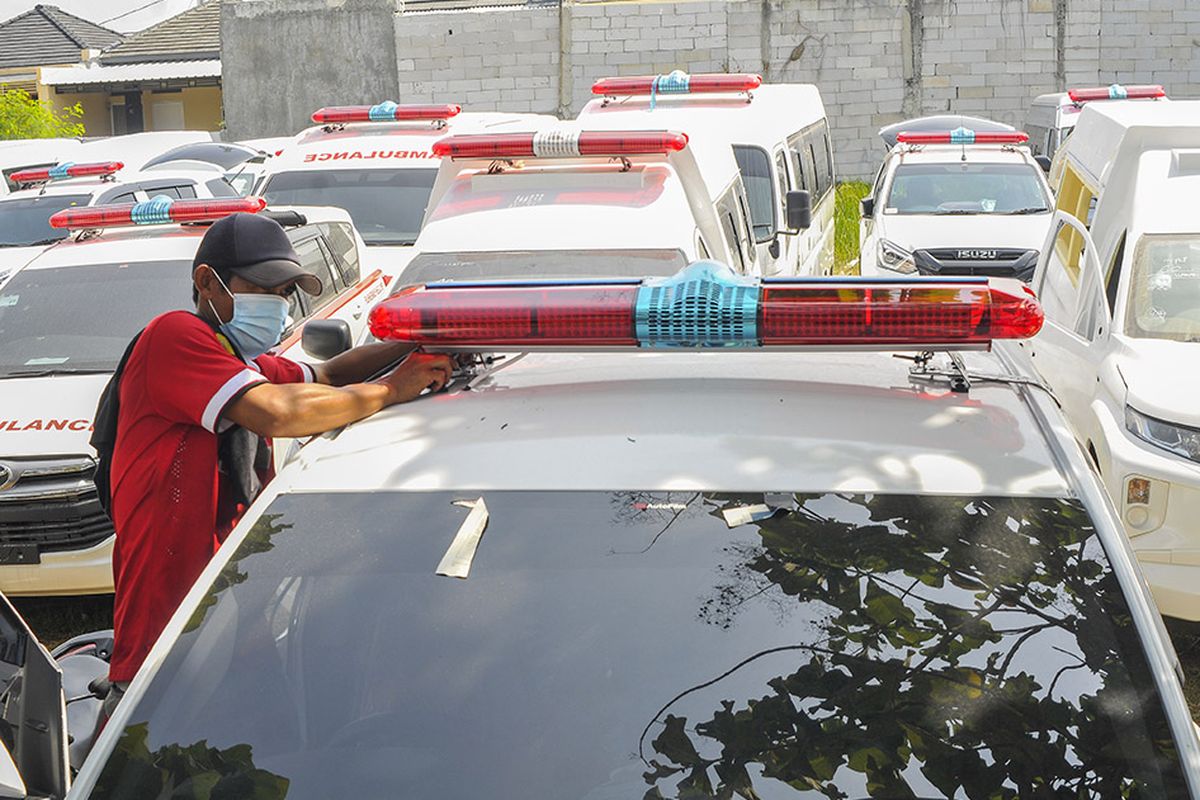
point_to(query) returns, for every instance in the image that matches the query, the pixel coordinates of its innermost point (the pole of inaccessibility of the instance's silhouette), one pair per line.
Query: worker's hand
(419, 372)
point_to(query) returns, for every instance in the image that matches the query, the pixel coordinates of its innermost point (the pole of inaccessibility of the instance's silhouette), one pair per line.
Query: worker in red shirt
(199, 399)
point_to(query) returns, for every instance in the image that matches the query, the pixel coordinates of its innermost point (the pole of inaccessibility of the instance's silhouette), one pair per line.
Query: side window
(755, 166)
(185, 191)
(312, 258)
(701, 248)
(818, 146)
(1114, 276)
(1078, 200)
(802, 166)
(744, 230)
(830, 171)
(727, 213)
(345, 251)
(219, 187)
(124, 197)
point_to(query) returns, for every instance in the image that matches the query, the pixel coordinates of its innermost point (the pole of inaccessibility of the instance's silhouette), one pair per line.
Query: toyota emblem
(8, 476)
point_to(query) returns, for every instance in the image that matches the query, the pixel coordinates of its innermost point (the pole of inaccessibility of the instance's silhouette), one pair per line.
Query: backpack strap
(104, 429)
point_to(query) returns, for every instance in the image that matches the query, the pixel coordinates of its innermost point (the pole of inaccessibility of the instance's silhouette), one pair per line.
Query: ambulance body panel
(381, 172)
(1119, 279)
(54, 538)
(780, 139)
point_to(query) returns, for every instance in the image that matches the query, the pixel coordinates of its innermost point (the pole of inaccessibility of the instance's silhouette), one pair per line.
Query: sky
(99, 11)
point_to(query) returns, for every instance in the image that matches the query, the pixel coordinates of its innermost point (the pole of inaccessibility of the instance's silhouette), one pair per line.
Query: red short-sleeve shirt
(178, 381)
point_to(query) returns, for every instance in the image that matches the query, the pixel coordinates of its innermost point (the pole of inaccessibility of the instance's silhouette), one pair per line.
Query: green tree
(23, 117)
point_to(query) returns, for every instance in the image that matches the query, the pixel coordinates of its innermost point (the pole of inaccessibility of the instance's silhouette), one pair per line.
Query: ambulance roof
(776, 112)
(1166, 184)
(846, 421)
(387, 144)
(1108, 131)
(562, 207)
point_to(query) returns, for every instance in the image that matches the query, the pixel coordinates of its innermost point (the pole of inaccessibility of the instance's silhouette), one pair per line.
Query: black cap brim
(277, 272)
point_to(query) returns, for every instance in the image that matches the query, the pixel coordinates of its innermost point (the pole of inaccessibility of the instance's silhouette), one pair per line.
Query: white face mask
(257, 323)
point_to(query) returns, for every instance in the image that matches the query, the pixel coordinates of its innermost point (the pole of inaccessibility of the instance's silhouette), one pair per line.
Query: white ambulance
(1052, 117)
(780, 139)
(671, 559)
(958, 202)
(1119, 279)
(377, 163)
(25, 228)
(66, 318)
(566, 202)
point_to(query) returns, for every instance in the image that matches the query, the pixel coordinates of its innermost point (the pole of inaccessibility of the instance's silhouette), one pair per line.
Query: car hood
(921, 231)
(1162, 379)
(14, 258)
(48, 416)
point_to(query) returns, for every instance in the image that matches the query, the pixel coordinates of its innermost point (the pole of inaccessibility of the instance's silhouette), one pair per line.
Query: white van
(1052, 116)
(780, 138)
(567, 203)
(1119, 279)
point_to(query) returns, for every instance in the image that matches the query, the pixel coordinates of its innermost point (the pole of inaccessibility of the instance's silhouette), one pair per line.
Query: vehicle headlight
(1178, 439)
(897, 259)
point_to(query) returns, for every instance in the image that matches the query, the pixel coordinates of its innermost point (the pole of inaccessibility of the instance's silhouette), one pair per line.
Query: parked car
(1052, 117)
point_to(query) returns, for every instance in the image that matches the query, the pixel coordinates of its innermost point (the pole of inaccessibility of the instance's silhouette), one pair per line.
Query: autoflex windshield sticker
(456, 563)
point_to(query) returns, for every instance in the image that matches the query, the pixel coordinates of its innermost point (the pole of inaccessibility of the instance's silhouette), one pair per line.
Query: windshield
(430, 267)
(387, 205)
(79, 319)
(966, 188)
(1164, 289)
(655, 645)
(26, 221)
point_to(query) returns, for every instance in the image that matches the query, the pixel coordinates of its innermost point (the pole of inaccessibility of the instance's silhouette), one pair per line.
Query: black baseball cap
(257, 249)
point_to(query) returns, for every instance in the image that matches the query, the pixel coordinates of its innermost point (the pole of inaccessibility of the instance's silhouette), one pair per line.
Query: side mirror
(11, 785)
(867, 207)
(799, 210)
(1043, 162)
(326, 338)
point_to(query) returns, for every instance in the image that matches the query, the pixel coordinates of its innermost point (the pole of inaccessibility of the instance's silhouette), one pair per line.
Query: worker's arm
(304, 409)
(360, 363)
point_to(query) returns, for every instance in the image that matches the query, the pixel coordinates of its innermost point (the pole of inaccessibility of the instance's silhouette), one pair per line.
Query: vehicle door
(34, 762)
(755, 165)
(808, 242)
(866, 223)
(1073, 342)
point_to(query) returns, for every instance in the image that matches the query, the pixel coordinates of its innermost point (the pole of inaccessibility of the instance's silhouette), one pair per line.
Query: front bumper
(71, 572)
(1158, 497)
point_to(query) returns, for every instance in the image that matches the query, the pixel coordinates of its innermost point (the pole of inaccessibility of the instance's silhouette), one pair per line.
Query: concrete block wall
(287, 58)
(875, 61)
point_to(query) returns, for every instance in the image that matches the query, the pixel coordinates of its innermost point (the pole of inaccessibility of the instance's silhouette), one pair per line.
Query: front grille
(981, 261)
(51, 503)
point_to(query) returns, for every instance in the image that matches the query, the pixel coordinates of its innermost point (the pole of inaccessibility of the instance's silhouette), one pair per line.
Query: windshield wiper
(37, 243)
(42, 373)
(956, 212)
(1031, 210)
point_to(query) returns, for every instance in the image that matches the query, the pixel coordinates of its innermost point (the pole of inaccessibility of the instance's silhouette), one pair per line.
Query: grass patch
(846, 215)
(53, 620)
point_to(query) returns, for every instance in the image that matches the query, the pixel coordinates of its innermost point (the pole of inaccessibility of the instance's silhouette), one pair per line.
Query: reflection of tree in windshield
(936, 614)
(196, 771)
(258, 540)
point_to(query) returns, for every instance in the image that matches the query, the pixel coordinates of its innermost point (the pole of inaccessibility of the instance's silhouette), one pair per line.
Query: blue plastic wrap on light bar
(155, 211)
(60, 170)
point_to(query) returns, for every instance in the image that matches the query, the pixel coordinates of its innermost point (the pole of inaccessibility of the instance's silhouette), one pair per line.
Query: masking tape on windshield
(744, 515)
(456, 563)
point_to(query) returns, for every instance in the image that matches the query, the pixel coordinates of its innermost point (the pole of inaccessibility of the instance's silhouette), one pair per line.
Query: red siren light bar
(676, 83)
(385, 112)
(1117, 92)
(963, 136)
(560, 144)
(707, 306)
(160, 210)
(67, 170)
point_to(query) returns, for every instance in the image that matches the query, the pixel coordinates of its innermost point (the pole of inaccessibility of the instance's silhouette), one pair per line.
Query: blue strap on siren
(60, 170)
(704, 305)
(675, 82)
(1117, 92)
(155, 211)
(383, 112)
(962, 136)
